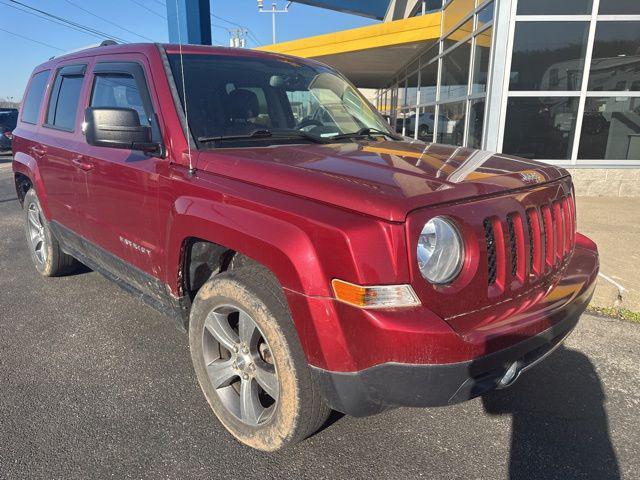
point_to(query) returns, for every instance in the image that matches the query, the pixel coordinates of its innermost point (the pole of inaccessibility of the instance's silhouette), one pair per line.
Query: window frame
(135, 70)
(70, 70)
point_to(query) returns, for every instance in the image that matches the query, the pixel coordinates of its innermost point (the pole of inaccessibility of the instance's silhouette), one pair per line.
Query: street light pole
(274, 10)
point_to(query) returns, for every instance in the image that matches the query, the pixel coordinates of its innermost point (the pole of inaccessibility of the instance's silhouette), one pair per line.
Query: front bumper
(390, 384)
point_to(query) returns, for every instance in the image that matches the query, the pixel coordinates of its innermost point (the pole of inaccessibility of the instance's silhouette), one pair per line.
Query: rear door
(60, 142)
(122, 210)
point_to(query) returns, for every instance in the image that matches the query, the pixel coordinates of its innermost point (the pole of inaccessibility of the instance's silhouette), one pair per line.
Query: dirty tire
(299, 410)
(49, 259)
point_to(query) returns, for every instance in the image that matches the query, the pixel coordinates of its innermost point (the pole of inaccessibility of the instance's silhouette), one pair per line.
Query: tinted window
(451, 127)
(429, 79)
(616, 57)
(548, 55)
(555, 7)
(33, 98)
(63, 104)
(476, 123)
(116, 90)
(455, 72)
(540, 127)
(610, 129)
(619, 7)
(481, 62)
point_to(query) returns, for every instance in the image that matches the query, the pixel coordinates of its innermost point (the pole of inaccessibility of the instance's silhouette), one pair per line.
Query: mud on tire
(299, 409)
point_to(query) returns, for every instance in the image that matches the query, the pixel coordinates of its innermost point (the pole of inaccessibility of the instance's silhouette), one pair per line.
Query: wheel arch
(27, 174)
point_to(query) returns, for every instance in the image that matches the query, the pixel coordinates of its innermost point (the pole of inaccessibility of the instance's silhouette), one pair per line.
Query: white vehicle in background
(426, 124)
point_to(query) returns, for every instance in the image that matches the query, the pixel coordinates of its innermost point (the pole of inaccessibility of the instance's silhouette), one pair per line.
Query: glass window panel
(611, 129)
(481, 61)
(114, 90)
(455, 12)
(412, 90)
(616, 57)
(455, 72)
(451, 123)
(476, 123)
(485, 16)
(619, 7)
(426, 123)
(429, 82)
(402, 94)
(555, 7)
(465, 30)
(63, 112)
(404, 124)
(540, 127)
(33, 99)
(549, 55)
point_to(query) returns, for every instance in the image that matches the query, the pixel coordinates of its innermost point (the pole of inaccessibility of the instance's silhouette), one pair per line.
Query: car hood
(385, 179)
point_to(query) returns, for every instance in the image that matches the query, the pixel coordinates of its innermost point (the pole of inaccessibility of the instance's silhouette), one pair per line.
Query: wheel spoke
(218, 325)
(250, 407)
(34, 219)
(267, 380)
(221, 372)
(247, 329)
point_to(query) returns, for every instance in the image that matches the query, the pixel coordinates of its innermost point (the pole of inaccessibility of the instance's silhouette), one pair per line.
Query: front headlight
(440, 251)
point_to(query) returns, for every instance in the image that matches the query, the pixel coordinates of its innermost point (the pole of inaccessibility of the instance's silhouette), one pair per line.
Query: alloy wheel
(240, 365)
(37, 236)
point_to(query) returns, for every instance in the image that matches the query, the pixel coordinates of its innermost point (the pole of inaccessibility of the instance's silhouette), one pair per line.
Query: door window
(118, 90)
(65, 95)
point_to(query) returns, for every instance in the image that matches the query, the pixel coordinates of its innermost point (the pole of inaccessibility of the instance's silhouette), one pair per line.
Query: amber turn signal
(381, 296)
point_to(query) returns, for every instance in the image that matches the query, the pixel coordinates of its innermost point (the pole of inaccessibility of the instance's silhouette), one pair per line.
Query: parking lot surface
(95, 384)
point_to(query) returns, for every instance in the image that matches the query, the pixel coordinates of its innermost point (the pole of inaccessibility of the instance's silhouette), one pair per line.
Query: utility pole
(238, 38)
(274, 10)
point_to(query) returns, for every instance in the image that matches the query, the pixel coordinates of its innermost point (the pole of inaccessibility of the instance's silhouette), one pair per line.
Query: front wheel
(249, 361)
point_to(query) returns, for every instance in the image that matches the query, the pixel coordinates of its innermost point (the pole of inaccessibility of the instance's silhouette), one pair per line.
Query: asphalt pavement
(94, 384)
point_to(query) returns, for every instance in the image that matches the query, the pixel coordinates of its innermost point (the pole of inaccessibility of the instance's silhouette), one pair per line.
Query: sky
(32, 40)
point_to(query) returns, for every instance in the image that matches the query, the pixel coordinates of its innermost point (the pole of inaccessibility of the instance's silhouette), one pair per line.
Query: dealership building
(553, 80)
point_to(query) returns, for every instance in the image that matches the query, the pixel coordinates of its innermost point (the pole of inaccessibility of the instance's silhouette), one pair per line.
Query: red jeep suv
(317, 260)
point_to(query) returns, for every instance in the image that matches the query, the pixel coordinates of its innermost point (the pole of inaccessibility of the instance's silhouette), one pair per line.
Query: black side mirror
(118, 128)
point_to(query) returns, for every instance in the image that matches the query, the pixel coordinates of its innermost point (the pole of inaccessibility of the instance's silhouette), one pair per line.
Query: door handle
(82, 164)
(38, 151)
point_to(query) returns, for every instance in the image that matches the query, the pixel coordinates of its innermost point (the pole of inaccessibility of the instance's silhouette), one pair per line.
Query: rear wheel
(249, 362)
(46, 254)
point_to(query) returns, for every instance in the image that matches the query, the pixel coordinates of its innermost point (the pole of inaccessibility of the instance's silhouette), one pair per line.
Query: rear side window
(65, 95)
(33, 98)
(118, 90)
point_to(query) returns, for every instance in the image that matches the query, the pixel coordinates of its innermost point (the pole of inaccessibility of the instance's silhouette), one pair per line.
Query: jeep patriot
(316, 259)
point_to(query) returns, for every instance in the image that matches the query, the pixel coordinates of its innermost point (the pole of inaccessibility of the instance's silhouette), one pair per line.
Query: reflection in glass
(412, 90)
(616, 57)
(619, 7)
(455, 11)
(481, 61)
(455, 72)
(425, 123)
(429, 81)
(540, 127)
(548, 55)
(464, 31)
(555, 7)
(485, 16)
(451, 123)
(476, 123)
(611, 129)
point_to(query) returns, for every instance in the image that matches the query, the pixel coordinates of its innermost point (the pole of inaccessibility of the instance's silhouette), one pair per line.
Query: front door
(123, 186)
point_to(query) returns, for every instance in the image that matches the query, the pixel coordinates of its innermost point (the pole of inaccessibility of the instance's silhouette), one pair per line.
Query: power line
(90, 30)
(148, 9)
(108, 21)
(31, 39)
(42, 17)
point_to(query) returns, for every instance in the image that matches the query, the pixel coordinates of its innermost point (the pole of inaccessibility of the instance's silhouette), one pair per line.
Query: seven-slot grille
(546, 231)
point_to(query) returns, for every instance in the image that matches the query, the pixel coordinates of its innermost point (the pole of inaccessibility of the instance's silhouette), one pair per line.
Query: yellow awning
(369, 55)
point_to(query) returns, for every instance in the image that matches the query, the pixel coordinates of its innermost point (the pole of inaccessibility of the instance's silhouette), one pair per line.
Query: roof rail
(104, 43)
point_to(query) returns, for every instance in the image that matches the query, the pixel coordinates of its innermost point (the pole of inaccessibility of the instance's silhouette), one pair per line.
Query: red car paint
(312, 213)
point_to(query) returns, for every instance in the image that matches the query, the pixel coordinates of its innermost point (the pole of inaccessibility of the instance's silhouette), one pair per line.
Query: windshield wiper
(364, 132)
(260, 133)
(265, 133)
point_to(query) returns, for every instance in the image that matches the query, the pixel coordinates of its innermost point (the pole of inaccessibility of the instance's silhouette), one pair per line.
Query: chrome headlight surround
(440, 251)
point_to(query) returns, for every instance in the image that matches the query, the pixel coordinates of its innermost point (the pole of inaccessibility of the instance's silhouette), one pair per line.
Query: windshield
(269, 100)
